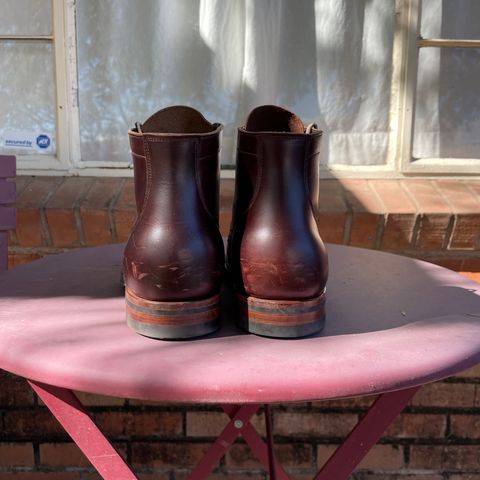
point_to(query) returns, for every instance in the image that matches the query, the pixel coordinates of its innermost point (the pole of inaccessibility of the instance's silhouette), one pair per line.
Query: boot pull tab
(309, 128)
(138, 126)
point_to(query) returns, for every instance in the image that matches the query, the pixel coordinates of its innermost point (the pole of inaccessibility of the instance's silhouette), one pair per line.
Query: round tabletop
(392, 323)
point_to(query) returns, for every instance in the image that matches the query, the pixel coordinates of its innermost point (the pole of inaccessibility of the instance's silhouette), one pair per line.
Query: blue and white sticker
(28, 141)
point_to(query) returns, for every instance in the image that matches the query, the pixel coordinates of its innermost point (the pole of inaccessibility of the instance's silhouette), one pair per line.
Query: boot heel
(172, 320)
(281, 318)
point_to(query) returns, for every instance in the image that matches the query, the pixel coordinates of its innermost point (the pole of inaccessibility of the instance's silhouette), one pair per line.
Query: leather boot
(174, 257)
(139, 167)
(275, 254)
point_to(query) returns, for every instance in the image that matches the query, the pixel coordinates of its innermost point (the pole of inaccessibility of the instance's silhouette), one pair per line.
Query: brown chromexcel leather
(174, 257)
(275, 254)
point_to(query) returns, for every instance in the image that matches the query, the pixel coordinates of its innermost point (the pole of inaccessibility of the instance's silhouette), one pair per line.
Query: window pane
(27, 107)
(447, 120)
(26, 17)
(451, 19)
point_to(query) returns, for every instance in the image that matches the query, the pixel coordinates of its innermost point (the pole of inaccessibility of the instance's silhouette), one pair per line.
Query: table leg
(76, 421)
(365, 434)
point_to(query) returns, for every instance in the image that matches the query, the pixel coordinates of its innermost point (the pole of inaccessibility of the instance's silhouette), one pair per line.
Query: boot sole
(281, 318)
(172, 320)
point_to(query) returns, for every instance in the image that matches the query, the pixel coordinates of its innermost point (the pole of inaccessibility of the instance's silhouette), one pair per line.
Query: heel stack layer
(281, 318)
(172, 320)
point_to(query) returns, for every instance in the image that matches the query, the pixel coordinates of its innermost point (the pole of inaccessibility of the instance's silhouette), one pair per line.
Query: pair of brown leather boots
(174, 262)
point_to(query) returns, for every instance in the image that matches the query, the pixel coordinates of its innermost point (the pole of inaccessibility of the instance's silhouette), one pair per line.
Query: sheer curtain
(328, 60)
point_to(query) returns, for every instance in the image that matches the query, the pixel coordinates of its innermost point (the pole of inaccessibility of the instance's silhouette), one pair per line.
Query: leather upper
(274, 249)
(175, 251)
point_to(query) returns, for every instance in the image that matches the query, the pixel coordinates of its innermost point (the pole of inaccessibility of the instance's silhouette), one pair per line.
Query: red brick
(22, 182)
(61, 208)
(324, 452)
(225, 218)
(440, 457)
(139, 423)
(154, 476)
(415, 476)
(205, 424)
(96, 227)
(465, 426)
(445, 395)
(465, 234)
(393, 197)
(426, 197)
(353, 402)
(14, 391)
(332, 227)
(90, 399)
(459, 196)
(69, 455)
(70, 193)
(332, 197)
(360, 196)
(41, 476)
(464, 476)
(17, 259)
(16, 454)
(465, 457)
(126, 198)
(32, 424)
(124, 220)
(364, 230)
(471, 265)
(398, 231)
(63, 227)
(314, 424)
(454, 264)
(230, 475)
(418, 426)
(94, 210)
(425, 457)
(102, 193)
(38, 191)
(29, 231)
(167, 455)
(383, 457)
(432, 231)
(296, 455)
(227, 191)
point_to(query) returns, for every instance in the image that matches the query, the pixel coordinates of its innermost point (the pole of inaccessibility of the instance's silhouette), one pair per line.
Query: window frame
(399, 162)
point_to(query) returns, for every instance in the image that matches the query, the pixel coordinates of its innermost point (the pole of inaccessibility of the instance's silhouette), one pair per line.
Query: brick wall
(436, 438)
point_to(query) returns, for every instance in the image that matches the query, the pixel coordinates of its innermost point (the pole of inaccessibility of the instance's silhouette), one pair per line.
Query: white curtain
(327, 60)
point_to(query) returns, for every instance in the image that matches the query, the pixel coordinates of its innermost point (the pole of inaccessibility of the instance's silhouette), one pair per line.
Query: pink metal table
(393, 324)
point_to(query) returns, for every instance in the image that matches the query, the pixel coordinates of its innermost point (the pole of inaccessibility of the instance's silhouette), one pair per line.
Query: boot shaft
(175, 251)
(274, 249)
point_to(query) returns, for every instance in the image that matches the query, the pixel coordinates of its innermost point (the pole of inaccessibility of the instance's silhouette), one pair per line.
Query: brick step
(436, 220)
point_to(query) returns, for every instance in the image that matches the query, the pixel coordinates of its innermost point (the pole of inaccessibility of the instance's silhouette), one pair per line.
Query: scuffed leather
(175, 251)
(274, 249)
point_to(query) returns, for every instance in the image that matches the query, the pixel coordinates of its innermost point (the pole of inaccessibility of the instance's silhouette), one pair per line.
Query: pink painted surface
(74, 418)
(392, 323)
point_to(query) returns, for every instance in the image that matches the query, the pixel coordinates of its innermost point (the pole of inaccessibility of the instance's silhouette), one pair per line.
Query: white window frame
(399, 162)
(407, 44)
